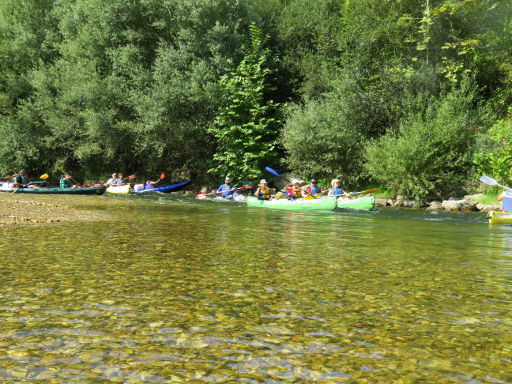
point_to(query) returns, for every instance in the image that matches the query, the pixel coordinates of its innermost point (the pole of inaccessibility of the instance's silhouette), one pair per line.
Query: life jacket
(507, 201)
(20, 179)
(294, 192)
(314, 190)
(264, 194)
(65, 183)
(148, 185)
(336, 191)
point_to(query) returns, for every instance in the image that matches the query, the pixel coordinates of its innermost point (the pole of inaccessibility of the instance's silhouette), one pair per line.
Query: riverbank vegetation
(411, 95)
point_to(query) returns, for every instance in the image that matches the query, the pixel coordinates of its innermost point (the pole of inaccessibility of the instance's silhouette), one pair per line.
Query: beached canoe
(59, 191)
(366, 203)
(164, 189)
(119, 189)
(496, 217)
(324, 203)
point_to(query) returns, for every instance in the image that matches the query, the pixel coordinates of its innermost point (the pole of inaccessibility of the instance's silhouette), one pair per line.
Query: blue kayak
(165, 188)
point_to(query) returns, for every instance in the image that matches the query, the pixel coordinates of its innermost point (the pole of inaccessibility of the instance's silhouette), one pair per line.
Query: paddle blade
(272, 171)
(60, 169)
(162, 176)
(488, 180)
(130, 177)
(202, 196)
(44, 176)
(375, 190)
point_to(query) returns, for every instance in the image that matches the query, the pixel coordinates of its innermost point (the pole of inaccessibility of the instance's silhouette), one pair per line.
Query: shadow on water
(173, 289)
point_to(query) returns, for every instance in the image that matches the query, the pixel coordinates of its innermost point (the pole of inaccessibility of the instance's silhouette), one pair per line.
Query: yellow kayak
(496, 217)
(119, 189)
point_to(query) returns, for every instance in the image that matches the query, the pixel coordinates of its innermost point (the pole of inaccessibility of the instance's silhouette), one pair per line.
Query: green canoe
(67, 191)
(366, 203)
(324, 203)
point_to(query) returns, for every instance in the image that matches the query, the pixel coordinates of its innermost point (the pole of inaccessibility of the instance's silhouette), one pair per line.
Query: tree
(246, 126)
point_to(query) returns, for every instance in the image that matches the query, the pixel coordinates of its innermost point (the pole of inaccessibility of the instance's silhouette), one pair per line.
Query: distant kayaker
(313, 188)
(263, 191)
(335, 189)
(506, 197)
(21, 181)
(293, 190)
(65, 182)
(151, 184)
(226, 190)
(112, 180)
(119, 180)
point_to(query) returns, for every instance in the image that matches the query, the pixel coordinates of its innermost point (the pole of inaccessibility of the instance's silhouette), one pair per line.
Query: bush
(431, 154)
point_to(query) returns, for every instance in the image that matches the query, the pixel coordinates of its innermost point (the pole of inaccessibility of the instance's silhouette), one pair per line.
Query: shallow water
(177, 290)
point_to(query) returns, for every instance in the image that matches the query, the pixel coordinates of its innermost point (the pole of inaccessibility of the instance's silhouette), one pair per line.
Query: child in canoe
(263, 191)
(336, 190)
(313, 188)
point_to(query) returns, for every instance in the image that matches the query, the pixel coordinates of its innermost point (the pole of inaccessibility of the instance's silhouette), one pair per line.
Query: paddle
(274, 172)
(206, 195)
(366, 191)
(130, 177)
(490, 181)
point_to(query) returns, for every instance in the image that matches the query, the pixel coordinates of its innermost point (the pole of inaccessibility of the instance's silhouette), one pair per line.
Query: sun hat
(263, 181)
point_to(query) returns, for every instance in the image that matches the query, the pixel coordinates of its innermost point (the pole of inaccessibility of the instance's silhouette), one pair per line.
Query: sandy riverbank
(25, 209)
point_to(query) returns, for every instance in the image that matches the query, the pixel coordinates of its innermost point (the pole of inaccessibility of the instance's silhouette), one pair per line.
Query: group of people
(292, 191)
(116, 179)
(20, 180)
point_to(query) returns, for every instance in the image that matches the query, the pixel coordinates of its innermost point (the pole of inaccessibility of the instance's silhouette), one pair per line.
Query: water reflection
(174, 290)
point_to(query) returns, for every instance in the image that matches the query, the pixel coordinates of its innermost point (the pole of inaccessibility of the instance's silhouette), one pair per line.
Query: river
(170, 289)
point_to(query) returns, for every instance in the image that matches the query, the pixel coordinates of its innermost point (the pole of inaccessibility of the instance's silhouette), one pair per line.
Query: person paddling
(506, 198)
(21, 181)
(335, 189)
(293, 190)
(313, 188)
(263, 191)
(65, 182)
(226, 190)
(112, 180)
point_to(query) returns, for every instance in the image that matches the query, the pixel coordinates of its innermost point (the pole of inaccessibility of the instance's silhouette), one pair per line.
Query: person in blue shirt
(335, 189)
(506, 197)
(226, 190)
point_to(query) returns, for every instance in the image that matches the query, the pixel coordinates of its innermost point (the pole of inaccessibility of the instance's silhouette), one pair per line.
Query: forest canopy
(412, 95)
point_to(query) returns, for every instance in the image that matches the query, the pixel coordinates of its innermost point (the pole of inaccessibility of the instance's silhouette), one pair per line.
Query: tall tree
(246, 126)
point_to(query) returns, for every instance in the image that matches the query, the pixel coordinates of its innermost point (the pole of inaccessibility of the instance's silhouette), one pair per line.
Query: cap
(312, 181)
(263, 181)
(227, 178)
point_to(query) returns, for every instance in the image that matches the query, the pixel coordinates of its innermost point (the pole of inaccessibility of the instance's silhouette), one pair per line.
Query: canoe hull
(60, 191)
(496, 217)
(165, 189)
(365, 203)
(119, 189)
(324, 203)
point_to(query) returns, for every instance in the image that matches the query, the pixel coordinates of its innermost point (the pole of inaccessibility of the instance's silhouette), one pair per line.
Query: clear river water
(169, 289)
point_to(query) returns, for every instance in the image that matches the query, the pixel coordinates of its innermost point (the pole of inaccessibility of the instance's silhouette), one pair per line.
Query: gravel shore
(26, 210)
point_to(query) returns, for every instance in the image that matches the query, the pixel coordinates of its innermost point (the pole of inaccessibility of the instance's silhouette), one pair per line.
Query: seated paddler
(226, 190)
(506, 198)
(66, 182)
(21, 181)
(313, 189)
(263, 191)
(293, 190)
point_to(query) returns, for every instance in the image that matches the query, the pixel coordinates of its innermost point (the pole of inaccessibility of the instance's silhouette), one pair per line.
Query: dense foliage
(409, 94)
